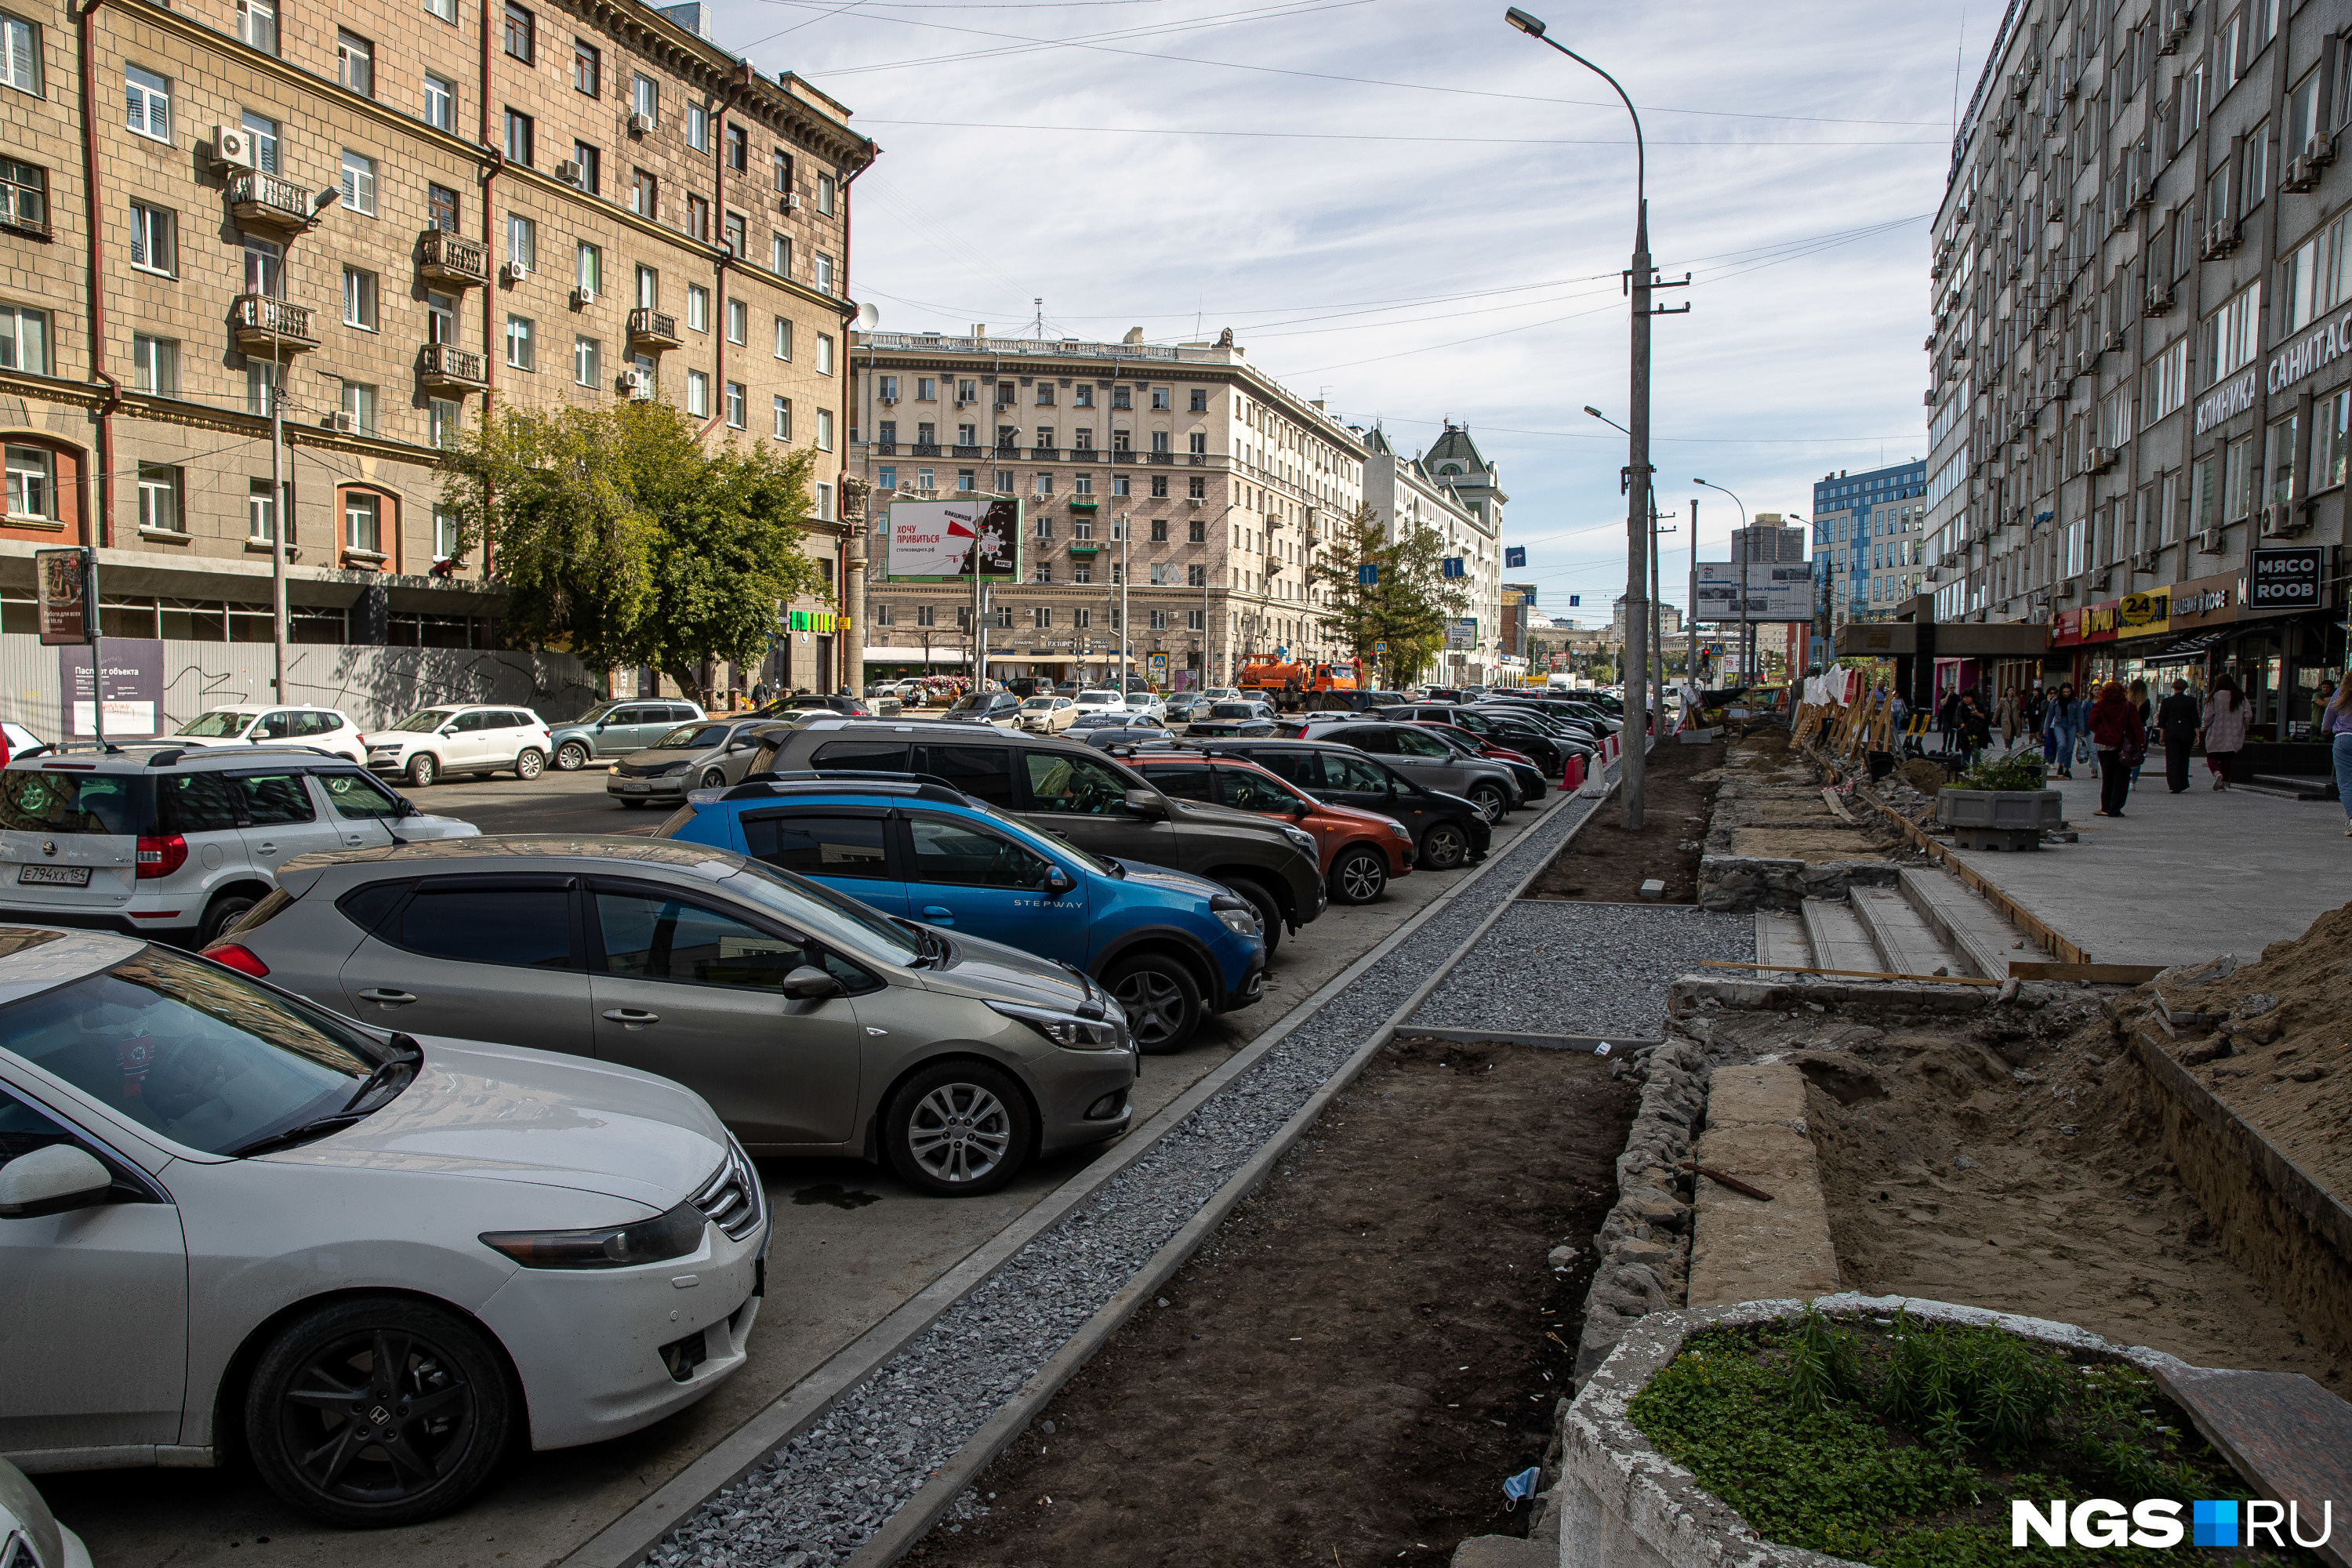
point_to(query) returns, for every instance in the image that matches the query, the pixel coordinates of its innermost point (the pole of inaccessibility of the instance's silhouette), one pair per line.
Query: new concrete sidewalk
(2180, 878)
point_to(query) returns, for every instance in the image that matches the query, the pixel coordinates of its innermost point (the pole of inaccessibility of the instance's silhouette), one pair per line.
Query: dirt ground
(1605, 864)
(1349, 1369)
(2011, 1161)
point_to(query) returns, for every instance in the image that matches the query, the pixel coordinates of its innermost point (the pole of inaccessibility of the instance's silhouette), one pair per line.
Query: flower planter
(2011, 809)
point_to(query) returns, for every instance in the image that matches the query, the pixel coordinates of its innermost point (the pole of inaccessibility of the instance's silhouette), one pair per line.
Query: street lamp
(319, 204)
(1739, 559)
(1640, 281)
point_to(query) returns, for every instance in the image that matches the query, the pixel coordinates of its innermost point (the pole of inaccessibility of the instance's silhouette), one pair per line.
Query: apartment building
(1870, 539)
(2141, 407)
(418, 209)
(1454, 492)
(1178, 473)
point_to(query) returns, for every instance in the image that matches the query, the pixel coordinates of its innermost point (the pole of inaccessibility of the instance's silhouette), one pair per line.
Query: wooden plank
(2290, 1439)
(2096, 973)
(1851, 974)
(1836, 804)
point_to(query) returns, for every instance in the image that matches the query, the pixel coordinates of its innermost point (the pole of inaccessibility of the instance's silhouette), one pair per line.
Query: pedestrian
(2225, 729)
(2084, 752)
(2335, 726)
(2177, 719)
(1947, 717)
(2007, 718)
(1976, 727)
(2121, 740)
(2062, 718)
(2147, 712)
(759, 694)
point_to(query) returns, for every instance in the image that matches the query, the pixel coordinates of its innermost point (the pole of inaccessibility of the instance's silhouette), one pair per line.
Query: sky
(1417, 213)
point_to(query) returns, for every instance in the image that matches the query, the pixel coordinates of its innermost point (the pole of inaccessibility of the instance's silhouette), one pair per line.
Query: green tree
(1406, 608)
(620, 537)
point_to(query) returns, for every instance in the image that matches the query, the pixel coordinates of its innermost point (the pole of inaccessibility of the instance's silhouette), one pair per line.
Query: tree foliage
(619, 536)
(1407, 608)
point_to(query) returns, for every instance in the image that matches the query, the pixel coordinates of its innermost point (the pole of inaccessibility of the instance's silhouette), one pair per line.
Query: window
(645, 99)
(2277, 482)
(24, 196)
(1045, 486)
(1079, 786)
(20, 54)
(32, 482)
(781, 407)
(697, 218)
(739, 318)
(824, 189)
(1045, 399)
(2255, 171)
(1159, 397)
(737, 403)
(698, 127)
(926, 615)
(648, 288)
(784, 338)
(2167, 385)
(782, 172)
(155, 364)
(359, 298)
(824, 429)
(2331, 436)
(731, 235)
(23, 340)
(1159, 533)
(587, 67)
(444, 9)
(1041, 617)
(1121, 398)
(825, 498)
(824, 355)
(592, 167)
(2315, 277)
(588, 267)
(2204, 500)
(362, 522)
(358, 401)
(520, 134)
(2302, 114)
(260, 519)
(147, 100)
(587, 357)
(257, 389)
(823, 274)
(887, 478)
(159, 499)
(358, 183)
(739, 148)
(1199, 400)
(780, 256)
(151, 248)
(2230, 334)
(448, 536)
(698, 307)
(1200, 443)
(1199, 490)
(2239, 477)
(643, 195)
(522, 242)
(256, 24)
(518, 342)
(355, 63)
(441, 208)
(1196, 576)
(697, 393)
(444, 421)
(520, 33)
(440, 103)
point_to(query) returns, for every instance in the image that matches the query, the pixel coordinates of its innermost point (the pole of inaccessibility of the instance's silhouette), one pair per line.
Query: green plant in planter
(2018, 771)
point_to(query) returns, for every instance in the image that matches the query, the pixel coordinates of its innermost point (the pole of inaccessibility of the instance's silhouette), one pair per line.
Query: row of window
(1041, 616)
(1082, 395)
(885, 476)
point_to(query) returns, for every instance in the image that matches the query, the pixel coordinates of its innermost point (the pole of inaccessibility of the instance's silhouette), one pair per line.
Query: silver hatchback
(710, 753)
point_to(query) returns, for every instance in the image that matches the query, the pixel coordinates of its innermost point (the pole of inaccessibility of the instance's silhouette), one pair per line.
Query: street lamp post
(1747, 626)
(1640, 281)
(319, 203)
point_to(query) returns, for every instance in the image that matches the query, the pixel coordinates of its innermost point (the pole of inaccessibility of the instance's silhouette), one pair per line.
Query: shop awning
(2190, 647)
(954, 656)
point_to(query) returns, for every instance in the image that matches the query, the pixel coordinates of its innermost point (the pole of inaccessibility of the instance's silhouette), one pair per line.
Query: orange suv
(1360, 850)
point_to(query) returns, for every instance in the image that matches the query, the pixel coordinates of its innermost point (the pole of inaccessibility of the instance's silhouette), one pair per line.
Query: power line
(1367, 136)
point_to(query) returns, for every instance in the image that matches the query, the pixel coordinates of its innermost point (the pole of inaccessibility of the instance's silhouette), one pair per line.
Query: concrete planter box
(2008, 808)
(1623, 1504)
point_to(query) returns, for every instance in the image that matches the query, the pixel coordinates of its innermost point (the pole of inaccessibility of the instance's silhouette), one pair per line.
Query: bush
(2018, 771)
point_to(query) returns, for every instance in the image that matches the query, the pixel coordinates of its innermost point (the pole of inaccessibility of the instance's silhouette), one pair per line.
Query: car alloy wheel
(225, 911)
(1444, 847)
(379, 1411)
(1161, 1001)
(1359, 875)
(713, 778)
(959, 1128)
(529, 765)
(1269, 910)
(1490, 802)
(422, 770)
(570, 757)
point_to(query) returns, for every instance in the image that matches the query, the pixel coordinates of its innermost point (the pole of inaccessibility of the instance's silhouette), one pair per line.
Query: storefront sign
(2204, 602)
(2227, 401)
(2092, 622)
(2323, 345)
(2144, 615)
(2287, 579)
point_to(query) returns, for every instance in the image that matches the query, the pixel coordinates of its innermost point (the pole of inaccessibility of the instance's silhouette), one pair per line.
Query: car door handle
(383, 998)
(938, 914)
(632, 1018)
(266, 847)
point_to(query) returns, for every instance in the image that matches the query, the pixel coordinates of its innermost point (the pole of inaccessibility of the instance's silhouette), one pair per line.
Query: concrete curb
(626, 1539)
(914, 1519)
(1614, 1044)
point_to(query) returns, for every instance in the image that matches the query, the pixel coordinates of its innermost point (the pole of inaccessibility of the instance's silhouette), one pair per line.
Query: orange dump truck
(1289, 687)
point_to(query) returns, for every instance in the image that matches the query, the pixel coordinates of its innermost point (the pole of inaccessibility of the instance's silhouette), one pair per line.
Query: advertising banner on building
(2287, 579)
(1754, 591)
(132, 689)
(934, 541)
(1462, 634)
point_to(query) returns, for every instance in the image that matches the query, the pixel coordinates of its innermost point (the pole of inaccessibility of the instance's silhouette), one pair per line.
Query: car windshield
(1042, 704)
(425, 721)
(692, 737)
(1232, 711)
(191, 1052)
(1109, 697)
(823, 912)
(974, 705)
(217, 725)
(602, 710)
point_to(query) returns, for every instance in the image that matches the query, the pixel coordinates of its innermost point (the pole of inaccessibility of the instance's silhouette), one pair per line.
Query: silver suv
(179, 842)
(616, 729)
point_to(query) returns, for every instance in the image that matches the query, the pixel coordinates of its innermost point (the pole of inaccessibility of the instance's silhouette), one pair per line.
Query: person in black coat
(2177, 719)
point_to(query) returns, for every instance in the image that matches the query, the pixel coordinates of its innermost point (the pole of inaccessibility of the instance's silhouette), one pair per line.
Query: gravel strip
(814, 1501)
(1605, 967)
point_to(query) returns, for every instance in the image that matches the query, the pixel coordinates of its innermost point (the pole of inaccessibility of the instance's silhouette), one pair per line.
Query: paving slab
(1743, 1248)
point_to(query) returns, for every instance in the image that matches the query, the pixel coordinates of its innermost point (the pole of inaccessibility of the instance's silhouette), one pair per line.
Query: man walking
(2177, 718)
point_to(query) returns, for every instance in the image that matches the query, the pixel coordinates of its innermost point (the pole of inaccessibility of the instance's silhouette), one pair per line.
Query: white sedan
(1150, 703)
(1102, 700)
(379, 1261)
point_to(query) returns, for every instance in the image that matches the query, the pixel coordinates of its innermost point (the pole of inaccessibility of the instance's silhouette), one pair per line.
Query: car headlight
(675, 768)
(1400, 830)
(1238, 913)
(1063, 1028)
(666, 1236)
(1304, 840)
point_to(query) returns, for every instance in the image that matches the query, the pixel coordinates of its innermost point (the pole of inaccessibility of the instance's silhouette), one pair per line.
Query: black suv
(1519, 733)
(1073, 791)
(1448, 831)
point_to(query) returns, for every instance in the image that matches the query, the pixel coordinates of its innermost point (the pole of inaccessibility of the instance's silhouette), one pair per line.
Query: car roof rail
(821, 780)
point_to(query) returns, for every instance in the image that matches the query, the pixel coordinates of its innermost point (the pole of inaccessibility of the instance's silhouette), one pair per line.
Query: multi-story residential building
(2141, 408)
(1182, 464)
(1456, 494)
(418, 209)
(1870, 539)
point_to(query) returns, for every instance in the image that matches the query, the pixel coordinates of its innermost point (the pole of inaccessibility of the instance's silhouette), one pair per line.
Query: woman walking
(2138, 696)
(2336, 724)
(2225, 729)
(2063, 718)
(2122, 740)
(2006, 719)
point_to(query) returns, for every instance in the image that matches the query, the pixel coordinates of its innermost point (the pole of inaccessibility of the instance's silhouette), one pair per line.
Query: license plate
(634, 786)
(54, 876)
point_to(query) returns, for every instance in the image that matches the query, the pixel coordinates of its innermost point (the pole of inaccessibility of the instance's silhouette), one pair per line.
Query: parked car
(813, 1024)
(16, 739)
(1529, 778)
(1180, 708)
(1488, 784)
(433, 742)
(1222, 694)
(1122, 739)
(1097, 699)
(710, 753)
(1118, 721)
(1225, 720)
(1047, 715)
(849, 707)
(1172, 947)
(616, 729)
(1449, 831)
(999, 709)
(239, 1205)
(258, 724)
(1361, 851)
(1575, 712)
(179, 842)
(1519, 733)
(30, 1535)
(1061, 786)
(1583, 727)
(1150, 704)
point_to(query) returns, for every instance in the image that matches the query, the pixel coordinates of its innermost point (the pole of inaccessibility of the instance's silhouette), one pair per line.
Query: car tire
(1492, 803)
(529, 765)
(1359, 875)
(1161, 999)
(713, 778)
(949, 1117)
(422, 769)
(223, 912)
(570, 757)
(442, 1391)
(1268, 907)
(1445, 847)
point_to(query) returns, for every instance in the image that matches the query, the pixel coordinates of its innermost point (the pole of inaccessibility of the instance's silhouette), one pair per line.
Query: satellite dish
(867, 316)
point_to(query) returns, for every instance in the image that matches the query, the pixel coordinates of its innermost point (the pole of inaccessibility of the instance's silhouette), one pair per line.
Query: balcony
(1089, 548)
(969, 451)
(1085, 503)
(652, 328)
(446, 367)
(265, 201)
(267, 326)
(885, 448)
(1086, 455)
(927, 448)
(446, 257)
(1198, 459)
(1045, 454)
(1164, 457)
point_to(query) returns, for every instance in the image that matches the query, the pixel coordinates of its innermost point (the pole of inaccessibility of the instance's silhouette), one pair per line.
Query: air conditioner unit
(2159, 300)
(2115, 341)
(513, 272)
(2086, 360)
(2320, 148)
(583, 298)
(1959, 348)
(2142, 192)
(2220, 238)
(1930, 346)
(343, 423)
(2070, 589)
(1197, 501)
(1929, 397)
(640, 122)
(2278, 519)
(2144, 561)
(637, 384)
(233, 147)
(571, 172)
(2301, 174)
(889, 402)
(792, 202)
(2210, 541)
(2102, 458)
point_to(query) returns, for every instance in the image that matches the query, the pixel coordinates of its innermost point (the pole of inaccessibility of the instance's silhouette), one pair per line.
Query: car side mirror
(809, 982)
(1146, 803)
(448, 731)
(55, 1179)
(1058, 880)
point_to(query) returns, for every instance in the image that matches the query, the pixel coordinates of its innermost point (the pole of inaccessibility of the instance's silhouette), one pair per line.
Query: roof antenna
(1038, 331)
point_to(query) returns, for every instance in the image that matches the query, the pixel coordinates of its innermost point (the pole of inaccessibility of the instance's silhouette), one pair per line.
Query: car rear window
(862, 756)
(37, 802)
(195, 802)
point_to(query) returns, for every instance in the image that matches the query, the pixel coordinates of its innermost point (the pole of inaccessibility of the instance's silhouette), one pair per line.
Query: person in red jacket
(2121, 740)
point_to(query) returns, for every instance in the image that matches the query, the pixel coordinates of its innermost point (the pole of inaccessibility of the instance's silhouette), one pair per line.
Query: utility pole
(1126, 641)
(1690, 672)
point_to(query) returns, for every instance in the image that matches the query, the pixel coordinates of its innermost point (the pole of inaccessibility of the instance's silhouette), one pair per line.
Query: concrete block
(1505, 1552)
(1742, 1248)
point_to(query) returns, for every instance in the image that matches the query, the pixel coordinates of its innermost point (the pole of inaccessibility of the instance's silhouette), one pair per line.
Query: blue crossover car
(1171, 946)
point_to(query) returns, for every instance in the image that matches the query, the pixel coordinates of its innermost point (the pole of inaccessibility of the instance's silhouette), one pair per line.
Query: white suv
(459, 738)
(329, 729)
(179, 842)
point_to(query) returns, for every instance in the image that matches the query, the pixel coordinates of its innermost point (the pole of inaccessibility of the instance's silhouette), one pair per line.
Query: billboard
(933, 540)
(1462, 633)
(66, 585)
(1773, 591)
(131, 672)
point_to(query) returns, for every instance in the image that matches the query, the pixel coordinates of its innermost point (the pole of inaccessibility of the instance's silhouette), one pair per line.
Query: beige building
(1179, 473)
(533, 204)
